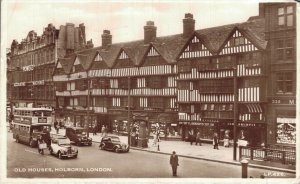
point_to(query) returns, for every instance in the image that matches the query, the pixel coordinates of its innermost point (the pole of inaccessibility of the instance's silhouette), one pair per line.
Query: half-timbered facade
(201, 80)
(207, 71)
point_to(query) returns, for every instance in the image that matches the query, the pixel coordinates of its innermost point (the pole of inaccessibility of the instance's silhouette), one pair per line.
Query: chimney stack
(149, 32)
(106, 38)
(188, 25)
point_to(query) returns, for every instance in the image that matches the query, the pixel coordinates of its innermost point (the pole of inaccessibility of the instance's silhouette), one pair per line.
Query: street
(25, 162)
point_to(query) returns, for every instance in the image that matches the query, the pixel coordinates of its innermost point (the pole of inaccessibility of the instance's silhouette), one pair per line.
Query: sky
(125, 19)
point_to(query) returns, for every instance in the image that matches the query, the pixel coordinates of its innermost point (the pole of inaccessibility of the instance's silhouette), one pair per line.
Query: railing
(268, 154)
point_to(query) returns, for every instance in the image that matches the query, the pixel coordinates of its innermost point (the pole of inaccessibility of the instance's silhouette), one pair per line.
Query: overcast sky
(125, 20)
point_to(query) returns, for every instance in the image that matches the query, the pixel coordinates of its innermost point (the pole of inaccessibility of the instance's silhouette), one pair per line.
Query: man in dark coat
(174, 163)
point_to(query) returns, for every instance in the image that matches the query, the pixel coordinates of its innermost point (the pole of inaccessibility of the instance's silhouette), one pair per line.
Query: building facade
(205, 80)
(31, 64)
(281, 94)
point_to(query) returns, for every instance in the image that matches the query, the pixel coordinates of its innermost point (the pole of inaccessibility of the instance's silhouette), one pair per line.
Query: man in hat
(174, 163)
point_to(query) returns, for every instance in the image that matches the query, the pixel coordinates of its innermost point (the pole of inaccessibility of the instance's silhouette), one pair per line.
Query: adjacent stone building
(31, 64)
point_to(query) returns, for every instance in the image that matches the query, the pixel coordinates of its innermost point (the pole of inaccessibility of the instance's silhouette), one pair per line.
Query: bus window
(47, 113)
(37, 113)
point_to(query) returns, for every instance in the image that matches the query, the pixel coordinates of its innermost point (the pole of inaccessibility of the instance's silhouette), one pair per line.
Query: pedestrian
(60, 124)
(174, 163)
(40, 141)
(56, 126)
(198, 140)
(95, 129)
(191, 137)
(216, 141)
(157, 135)
(102, 130)
(105, 131)
(226, 139)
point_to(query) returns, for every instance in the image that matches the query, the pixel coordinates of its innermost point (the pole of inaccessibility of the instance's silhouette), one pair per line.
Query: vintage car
(78, 135)
(113, 143)
(61, 147)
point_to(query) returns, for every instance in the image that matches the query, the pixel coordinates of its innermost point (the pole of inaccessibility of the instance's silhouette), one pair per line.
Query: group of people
(57, 125)
(197, 139)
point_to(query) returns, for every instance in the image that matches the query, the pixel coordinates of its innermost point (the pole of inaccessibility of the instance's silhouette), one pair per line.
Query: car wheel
(51, 151)
(117, 150)
(75, 156)
(31, 143)
(59, 155)
(102, 146)
(17, 140)
(90, 144)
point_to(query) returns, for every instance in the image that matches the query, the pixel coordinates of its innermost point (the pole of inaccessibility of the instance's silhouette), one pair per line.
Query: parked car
(113, 143)
(61, 147)
(78, 135)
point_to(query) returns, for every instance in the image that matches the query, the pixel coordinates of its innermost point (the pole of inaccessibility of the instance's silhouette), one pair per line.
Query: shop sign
(19, 84)
(37, 83)
(246, 124)
(173, 124)
(28, 68)
(291, 101)
(286, 120)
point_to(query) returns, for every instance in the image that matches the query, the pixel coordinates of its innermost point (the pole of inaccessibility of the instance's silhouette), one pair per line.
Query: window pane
(289, 53)
(289, 9)
(290, 20)
(280, 87)
(289, 43)
(280, 53)
(242, 41)
(280, 44)
(281, 20)
(289, 87)
(280, 11)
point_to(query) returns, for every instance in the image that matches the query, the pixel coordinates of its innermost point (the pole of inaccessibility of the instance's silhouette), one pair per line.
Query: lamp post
(88, 106)
(128, 113)
(235, 110)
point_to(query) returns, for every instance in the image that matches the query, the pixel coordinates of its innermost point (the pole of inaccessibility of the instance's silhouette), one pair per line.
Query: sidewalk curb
(224, 162)
(218, 161)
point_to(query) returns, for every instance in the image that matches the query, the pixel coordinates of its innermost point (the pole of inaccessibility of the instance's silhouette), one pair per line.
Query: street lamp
(128, 113)
(88, 106)
(235, 110)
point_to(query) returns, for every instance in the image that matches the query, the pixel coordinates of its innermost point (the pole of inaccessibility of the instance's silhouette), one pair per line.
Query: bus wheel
(59, 155)
(31, 143)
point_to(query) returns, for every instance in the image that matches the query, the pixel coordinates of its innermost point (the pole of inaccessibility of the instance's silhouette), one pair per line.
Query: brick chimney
(149, 32)
(106, 38)
(188, 25)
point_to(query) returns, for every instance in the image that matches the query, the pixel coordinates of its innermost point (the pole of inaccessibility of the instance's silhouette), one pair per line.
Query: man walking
(198, 140)
(174, 163)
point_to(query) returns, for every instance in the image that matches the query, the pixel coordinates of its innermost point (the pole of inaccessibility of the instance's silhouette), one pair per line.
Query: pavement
(204, 152)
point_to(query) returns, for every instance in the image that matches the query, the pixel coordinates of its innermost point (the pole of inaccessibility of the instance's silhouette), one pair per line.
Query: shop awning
(254, 108)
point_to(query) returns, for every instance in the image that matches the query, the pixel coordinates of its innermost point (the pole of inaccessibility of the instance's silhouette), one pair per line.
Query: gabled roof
(67, 63)
(110, 54)
(216, 37)
(137, 52)
(169, 47)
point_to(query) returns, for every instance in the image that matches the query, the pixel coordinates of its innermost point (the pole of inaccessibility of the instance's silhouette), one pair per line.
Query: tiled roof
(67, 63)
(169, 47)
(215, 37)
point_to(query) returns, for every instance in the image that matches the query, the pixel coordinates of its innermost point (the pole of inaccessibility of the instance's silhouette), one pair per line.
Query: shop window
(185, 108)
(286, 129)
(285, 83)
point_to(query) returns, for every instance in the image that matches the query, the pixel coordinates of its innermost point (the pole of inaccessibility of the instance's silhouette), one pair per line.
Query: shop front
(251, 132)
(286, 128)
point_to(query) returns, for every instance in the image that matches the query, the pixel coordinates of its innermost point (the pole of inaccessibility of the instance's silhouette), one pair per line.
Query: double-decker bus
(29, 123)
